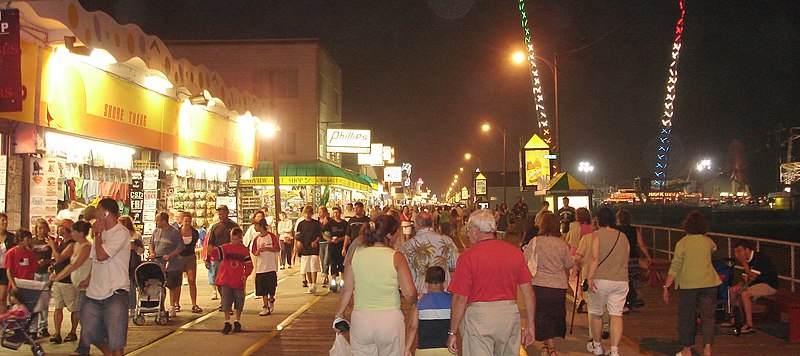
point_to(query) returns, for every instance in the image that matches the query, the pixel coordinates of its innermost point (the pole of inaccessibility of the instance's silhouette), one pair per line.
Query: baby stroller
(14, 331)
(150, 281)
(724, 268)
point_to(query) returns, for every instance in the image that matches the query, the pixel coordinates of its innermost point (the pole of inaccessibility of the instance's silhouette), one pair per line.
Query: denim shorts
(105, 320)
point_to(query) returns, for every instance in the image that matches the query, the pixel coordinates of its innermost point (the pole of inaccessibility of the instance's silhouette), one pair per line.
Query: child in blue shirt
(430, 318)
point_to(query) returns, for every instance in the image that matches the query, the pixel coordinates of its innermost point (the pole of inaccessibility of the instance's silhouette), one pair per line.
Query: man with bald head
(428, 248)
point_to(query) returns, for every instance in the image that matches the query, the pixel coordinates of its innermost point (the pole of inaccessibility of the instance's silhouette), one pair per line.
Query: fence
(661, 242)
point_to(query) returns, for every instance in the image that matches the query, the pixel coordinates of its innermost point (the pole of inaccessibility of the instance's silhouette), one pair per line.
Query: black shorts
(266, 283)
(3, 277)
(174, 279)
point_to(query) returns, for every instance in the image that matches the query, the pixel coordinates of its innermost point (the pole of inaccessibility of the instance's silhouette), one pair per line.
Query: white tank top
(80, 273)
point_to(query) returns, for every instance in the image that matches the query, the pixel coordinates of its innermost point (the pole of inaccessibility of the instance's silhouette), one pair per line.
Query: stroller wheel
(162, 319)
(37, 350)
(138, 320)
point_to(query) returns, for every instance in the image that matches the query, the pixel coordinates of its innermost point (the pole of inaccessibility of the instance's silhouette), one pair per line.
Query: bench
(784, 301)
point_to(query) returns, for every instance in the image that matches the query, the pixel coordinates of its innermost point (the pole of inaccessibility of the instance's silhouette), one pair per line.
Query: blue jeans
(42, 322)
(104, 321)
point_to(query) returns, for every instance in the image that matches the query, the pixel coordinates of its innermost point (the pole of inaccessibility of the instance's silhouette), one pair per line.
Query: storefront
(315, 183)
(109, 113)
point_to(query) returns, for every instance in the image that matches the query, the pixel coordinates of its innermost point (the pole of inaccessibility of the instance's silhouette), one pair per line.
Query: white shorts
(761, 290)
(610, 294)
(309, 263)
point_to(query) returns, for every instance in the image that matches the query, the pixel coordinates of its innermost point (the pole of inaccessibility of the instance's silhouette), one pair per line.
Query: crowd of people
(463, 302)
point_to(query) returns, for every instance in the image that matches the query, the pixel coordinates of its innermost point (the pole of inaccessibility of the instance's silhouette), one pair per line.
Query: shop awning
(564, 182)
(311, 173)
(372, 182)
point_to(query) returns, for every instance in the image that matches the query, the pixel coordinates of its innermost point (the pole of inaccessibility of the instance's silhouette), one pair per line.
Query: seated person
(18, 311)
(758, 280)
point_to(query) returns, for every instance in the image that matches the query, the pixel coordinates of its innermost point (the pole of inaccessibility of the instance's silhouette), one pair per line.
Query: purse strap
(609, 252)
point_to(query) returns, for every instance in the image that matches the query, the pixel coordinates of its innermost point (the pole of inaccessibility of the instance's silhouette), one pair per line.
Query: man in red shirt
(21, 260)
(484, 288)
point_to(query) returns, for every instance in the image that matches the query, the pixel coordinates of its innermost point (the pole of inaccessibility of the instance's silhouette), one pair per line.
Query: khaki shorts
(66, 295)
(761, 290)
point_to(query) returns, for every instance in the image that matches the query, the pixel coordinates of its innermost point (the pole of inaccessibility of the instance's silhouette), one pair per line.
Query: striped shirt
(434, 320)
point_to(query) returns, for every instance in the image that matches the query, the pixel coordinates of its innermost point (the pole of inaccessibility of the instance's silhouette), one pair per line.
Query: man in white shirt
(104, 313)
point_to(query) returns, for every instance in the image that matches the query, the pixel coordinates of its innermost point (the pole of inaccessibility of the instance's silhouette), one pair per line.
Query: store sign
(388, 154)
(348, 141)
(535, 163)
(137, 200)
(393, 174)
(11, 90)
(340, 181)
(374, 158)
(464, 193)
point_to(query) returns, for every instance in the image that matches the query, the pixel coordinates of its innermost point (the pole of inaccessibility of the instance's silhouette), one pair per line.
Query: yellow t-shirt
(376, 284)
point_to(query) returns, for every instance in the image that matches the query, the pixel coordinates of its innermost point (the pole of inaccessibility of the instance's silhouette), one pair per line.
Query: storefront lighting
(202, 169)
(201, 99)
(157, 84)
(267, 129)
(100, 58)
(81, 150)
(69, 43)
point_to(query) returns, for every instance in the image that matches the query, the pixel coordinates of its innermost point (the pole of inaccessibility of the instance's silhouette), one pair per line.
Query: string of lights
(662, 156)
(541, 115)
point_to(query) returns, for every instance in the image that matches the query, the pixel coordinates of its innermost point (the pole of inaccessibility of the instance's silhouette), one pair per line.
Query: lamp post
(468, 156)
(486, 128)
(269, 130)
(585, 167)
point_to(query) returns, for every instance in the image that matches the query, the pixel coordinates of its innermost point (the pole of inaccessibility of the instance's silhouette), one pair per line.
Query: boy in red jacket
(235, 266)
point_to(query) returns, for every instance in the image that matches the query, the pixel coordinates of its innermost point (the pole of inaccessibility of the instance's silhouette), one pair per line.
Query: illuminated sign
(464, 193)
(348, 141)
(480, 184)
(10, 60)
(388, 154)
(393, 174)
(535, 163)
(374, 158)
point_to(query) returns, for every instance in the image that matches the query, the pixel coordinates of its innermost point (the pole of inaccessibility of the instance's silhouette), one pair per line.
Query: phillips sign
(348, 141)
(10, 57)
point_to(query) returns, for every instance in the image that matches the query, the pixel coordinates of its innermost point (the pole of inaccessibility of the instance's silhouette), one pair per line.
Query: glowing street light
(585, 167)
(518, 57)
(461, 169)
(467, 156)
(704, 165)
(267, 129)
(486, 128)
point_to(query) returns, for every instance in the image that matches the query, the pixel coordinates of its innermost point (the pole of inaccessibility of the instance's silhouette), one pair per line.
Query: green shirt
(691, 265)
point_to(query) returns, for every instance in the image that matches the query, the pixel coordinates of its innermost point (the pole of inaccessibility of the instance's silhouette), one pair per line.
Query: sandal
(197, 310)
(746, 329)
(71, 337)
(56, 339)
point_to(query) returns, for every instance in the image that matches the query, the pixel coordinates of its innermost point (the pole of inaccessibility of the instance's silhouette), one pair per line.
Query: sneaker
(334, 287)
(305, 284)
(172, 313)
(265, 312)
(313, 289)
(613, 352)
(227, 328)
(237, 327)
(594, 349)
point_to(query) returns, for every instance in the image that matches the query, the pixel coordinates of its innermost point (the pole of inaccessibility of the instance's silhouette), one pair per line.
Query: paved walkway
(301, 325)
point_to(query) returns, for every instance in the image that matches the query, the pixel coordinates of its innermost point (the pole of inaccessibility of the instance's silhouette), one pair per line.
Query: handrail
(792, 277)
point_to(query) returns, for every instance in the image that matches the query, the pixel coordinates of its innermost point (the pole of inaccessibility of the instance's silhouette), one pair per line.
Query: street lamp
(585, 167)
(704, 165)
(461, 169)
(486, 128)
(468, 156)
(269, 130)
(518, 57)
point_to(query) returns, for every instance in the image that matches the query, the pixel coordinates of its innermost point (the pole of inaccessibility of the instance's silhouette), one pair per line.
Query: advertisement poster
(137, 199)
(44, 189)
(480, 185)
(3, 177)
(537, 166)
(149, 201)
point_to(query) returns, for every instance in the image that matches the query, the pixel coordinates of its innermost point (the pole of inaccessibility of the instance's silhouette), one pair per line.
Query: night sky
(425, 74)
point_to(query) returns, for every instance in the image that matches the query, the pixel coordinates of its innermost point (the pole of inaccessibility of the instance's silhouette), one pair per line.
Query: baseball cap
(263, 222)
(223, 207)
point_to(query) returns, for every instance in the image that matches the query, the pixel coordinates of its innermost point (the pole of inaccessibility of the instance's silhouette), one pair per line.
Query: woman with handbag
(608, 280)
(550, 282)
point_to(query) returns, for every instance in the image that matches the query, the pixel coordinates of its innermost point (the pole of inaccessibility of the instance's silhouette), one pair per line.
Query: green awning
(310, 173)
